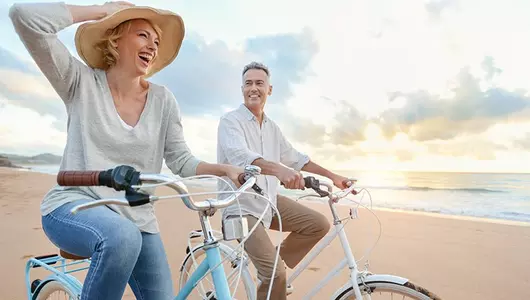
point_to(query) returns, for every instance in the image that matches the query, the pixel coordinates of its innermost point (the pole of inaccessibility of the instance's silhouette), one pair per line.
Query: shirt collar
(249, 115)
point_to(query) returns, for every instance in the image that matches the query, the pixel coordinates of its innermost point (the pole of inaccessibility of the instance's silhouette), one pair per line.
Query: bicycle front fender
(372, 279)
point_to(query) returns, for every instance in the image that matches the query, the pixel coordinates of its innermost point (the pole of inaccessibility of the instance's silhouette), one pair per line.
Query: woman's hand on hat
(114, 6)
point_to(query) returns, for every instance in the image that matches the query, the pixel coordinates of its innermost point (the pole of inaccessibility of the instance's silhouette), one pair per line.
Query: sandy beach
(453, 257)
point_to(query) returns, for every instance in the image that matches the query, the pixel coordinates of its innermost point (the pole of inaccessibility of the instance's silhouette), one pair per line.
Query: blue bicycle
(64, 265)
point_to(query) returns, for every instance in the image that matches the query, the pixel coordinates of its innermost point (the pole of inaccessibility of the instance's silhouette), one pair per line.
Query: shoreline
(457, 217)
(484, 219)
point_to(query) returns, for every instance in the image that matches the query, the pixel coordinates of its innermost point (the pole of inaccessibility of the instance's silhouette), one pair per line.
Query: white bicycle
(361, 284)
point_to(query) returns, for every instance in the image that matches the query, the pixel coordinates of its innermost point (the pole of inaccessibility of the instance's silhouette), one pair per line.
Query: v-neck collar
(109, 94)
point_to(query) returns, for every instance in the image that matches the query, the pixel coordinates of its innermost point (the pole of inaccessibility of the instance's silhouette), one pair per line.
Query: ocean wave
(506, 216)
(516, 214)
(424, 188)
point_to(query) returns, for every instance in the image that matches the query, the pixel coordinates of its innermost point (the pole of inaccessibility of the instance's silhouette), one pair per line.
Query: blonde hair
(108, 43)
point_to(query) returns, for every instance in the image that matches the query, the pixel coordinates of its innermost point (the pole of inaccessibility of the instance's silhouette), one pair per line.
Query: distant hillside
(5, 162)
(41, 159)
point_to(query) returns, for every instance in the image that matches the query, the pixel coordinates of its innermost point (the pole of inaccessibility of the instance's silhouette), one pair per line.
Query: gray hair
(256, 66)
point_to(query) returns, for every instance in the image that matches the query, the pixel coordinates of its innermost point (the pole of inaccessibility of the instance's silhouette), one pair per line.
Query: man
(248, 136)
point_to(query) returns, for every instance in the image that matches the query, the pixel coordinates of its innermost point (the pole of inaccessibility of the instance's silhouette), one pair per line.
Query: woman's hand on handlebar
(233, 173)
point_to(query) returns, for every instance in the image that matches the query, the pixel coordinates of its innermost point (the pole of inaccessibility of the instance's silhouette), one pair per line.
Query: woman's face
(137, 48)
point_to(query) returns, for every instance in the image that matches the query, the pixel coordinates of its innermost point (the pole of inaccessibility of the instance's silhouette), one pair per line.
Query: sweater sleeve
(37, 25)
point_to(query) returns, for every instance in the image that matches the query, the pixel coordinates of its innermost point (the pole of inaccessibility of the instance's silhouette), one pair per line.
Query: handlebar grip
(241, 178)
(78, 178)
(308, 182)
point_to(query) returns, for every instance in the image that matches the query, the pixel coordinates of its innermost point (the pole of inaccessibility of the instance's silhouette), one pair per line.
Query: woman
(115, 117)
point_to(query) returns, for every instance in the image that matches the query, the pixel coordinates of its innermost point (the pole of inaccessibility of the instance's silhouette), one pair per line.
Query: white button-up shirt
(240, 141)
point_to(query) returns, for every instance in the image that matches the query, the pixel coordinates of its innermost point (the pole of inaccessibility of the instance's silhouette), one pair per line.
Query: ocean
(484, 195)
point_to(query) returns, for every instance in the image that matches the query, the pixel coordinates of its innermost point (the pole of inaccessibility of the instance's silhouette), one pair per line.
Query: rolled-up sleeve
(231, 141)
(289, 156)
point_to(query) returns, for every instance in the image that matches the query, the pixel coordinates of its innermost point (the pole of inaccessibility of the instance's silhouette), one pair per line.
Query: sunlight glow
(373, 132)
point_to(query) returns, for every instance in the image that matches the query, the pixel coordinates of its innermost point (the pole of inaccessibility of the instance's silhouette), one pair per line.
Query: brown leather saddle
(67, 255)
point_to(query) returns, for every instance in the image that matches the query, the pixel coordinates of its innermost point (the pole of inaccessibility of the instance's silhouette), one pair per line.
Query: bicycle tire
(198, 252)
(51, 287)
(408, 289)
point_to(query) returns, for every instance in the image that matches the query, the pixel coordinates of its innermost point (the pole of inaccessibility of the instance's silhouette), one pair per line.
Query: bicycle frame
(212, 262)
(349, 259)
(211, 244)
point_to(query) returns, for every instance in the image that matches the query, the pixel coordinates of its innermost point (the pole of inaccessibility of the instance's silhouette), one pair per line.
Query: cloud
(26, 87)
(201, 136)
(206, 77)
(475, 148)
(26, 131)
(9, 61)
(303, 131)
(418, 124)
(469, 110)
(288, 56)
(523, 143)
(335, 155)
(423, 116)
(349, 125)
(345, 128)
(488, 65)
(436, 7)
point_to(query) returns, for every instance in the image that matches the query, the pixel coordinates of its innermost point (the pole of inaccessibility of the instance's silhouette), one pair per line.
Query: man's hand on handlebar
(342, 182)
(291, 179)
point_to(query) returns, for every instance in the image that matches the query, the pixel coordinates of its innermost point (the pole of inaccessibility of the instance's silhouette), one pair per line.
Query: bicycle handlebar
(125, 177)
(313, 183)
(119, 178)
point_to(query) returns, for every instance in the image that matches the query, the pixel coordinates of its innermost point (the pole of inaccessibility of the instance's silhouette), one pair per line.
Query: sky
(420, 85)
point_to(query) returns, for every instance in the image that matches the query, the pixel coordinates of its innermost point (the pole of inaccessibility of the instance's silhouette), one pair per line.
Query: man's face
(256, 88)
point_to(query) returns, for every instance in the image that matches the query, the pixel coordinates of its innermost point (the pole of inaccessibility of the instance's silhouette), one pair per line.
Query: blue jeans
(119, 252)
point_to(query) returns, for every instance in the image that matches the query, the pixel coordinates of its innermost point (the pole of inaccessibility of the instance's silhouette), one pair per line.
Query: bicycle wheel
(235, 267)
(387, 290)
(54, 290)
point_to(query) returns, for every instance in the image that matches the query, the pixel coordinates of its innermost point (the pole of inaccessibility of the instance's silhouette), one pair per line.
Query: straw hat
(172, 26)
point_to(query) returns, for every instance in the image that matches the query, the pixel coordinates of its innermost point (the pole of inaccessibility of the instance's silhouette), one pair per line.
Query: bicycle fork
(352, 265)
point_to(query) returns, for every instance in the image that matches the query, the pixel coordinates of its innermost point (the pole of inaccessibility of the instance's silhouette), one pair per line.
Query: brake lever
(313, 183)
(136, 198)
(251, 171)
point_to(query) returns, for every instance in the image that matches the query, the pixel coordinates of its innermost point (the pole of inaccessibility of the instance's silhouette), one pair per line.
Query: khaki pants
(307, 227)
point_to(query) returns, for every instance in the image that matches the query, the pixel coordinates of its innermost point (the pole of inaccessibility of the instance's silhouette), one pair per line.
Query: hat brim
(171, 24)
